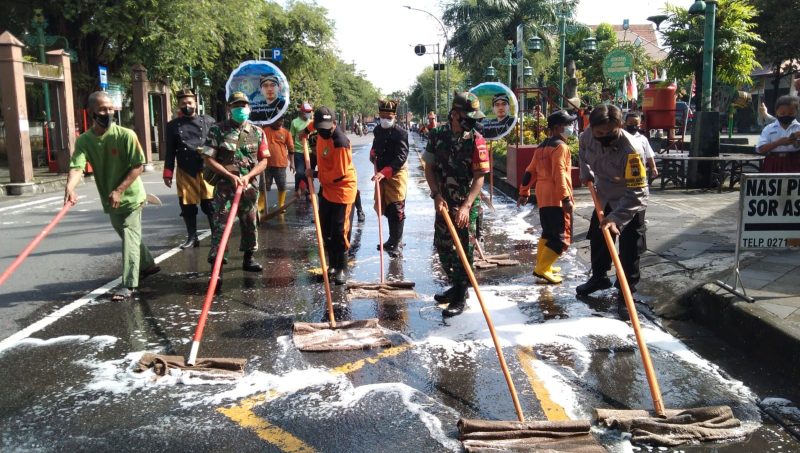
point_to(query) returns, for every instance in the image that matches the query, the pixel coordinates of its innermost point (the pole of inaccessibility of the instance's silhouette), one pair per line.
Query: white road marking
(67, 309)
(31, 203)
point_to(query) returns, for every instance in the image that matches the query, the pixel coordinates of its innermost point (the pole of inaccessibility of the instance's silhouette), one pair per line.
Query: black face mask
(632, 129)
(467, 123)
(606, 140)
(187, 111)
(785, 120)
(102, 120)
(325, 133)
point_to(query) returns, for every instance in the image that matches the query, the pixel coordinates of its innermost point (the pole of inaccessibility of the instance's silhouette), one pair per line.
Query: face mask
(569, 131)
(606, 140)
(240, 114)
(187, 111)
(386, 123)
(325, 133)
(785, 120)
(632, 129)
(102, 120)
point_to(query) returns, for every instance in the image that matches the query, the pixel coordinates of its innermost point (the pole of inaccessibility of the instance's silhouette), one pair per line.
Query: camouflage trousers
(224, 193)
(443, 241)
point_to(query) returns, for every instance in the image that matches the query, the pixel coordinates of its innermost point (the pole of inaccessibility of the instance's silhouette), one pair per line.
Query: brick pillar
(65, 108)
(15, 111)
(141, 110)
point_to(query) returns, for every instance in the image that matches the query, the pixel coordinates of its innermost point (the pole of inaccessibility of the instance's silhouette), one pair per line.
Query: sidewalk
(45, 181)
(690, 244)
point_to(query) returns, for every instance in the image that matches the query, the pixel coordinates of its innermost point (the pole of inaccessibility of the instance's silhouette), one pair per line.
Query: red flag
(629, 88)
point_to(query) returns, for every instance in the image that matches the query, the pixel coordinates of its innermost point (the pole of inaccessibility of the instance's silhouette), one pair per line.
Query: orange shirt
(551, 173)
(280, 142)
(337, 175)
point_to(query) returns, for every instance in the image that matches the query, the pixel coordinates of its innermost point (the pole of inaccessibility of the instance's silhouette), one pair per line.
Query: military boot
(249, 264)
(459, 300)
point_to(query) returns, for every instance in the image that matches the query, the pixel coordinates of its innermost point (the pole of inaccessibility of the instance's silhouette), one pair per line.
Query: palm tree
(482, 28)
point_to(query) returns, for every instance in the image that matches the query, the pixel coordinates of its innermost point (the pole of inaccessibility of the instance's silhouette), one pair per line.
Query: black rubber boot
(249, 264)
(191, 232)
(395, 242)
(459, 300)
(340, 276)
(212, 258)
(595, 283)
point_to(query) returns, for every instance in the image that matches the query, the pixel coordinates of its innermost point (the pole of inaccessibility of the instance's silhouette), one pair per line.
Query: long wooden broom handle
(474, 282)
(491, 174)
(315, 207)
(380, 221)
(655, 390)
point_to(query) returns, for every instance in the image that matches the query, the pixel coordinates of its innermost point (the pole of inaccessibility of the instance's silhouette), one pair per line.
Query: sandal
(122, 295)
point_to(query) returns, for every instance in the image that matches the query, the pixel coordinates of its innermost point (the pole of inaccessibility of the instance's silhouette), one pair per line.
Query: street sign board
(617, 64)
(277, 54)
(116, 93)
(769, 210)
(103, 72)
(419, 49)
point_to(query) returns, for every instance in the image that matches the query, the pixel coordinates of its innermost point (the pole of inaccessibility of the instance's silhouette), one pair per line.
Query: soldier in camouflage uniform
(236, 151)
(456, 160)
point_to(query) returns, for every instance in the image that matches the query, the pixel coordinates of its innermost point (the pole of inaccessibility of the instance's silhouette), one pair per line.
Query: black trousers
(336, 220)
(632, 243)
(556, 228)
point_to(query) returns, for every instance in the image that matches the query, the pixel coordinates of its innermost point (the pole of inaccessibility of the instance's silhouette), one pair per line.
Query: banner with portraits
(499, 104)
(265, 86)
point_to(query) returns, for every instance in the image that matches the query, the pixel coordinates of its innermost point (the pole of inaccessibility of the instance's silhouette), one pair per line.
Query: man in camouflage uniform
(236, 150)
(456, 160)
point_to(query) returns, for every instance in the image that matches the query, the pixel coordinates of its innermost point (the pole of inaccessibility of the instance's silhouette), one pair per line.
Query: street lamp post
(446, 47)
(705, 137)
(508, 60)
(206, 83)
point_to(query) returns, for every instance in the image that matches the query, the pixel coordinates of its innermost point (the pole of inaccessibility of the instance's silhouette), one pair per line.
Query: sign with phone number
(770, 210)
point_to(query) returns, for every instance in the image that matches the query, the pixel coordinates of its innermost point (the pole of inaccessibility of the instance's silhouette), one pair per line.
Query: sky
(379, 35)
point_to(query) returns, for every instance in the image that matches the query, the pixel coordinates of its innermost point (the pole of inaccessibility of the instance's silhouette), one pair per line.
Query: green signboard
(617, 64)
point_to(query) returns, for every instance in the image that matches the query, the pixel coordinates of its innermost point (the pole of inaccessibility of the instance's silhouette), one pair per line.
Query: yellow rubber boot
(262, 204)
(281, 198)
(545, 257)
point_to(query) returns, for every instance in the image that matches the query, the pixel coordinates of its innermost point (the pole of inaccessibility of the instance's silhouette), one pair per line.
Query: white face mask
(386, 123)
(569, 130)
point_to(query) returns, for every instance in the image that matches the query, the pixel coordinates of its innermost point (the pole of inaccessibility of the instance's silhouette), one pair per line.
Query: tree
(421, 100)
(734, 43)
(777, 25)
(482, 28)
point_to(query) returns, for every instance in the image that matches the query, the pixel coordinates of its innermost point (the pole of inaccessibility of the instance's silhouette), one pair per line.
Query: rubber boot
(545, 257)
(281, 198)
(262, 204)
(395, 241)
(249, 264)
(191, 232)
(456, 306)
(340, 276)
(445, 297)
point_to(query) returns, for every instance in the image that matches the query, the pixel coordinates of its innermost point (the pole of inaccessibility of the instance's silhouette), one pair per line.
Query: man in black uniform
(390, 153)
(184, 136)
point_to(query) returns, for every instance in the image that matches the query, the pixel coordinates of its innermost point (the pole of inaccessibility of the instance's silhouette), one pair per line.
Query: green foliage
(214, 36)
(734, 42)
(482, 28)
(777, 24)
(421, 99)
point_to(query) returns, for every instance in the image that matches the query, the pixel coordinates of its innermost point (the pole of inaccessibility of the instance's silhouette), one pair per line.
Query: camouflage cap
(469, 103)
(237, 96)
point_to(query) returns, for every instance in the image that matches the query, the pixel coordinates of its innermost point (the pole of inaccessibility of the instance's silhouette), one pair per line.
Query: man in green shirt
(298, 125)
(116, 156)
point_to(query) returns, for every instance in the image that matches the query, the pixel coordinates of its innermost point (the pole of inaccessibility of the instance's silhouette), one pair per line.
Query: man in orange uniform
(337, 179)
(281, 155)
(550, 172)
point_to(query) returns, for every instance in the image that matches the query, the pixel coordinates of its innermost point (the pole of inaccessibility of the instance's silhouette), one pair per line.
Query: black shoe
(212, 258)
(361, 217)
(595, 283)
(249, 264)
(632, 287)
(339, 277)
(144, 273)
(191, 241)
(445, 297)
(622, 309)
(218, 287)
(456, 307)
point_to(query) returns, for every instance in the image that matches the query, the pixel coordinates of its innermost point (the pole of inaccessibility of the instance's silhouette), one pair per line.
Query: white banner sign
(770, 210)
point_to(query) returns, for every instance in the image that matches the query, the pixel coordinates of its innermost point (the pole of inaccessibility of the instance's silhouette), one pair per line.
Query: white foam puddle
(101, 341)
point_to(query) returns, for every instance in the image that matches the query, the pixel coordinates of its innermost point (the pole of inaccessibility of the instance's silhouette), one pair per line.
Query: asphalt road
(71, 385)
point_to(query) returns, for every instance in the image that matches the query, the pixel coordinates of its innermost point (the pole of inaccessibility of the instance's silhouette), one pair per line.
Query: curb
(57, 183)
(745, 325)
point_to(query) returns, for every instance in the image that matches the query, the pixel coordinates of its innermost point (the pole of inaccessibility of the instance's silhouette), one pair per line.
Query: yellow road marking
(242, 414)
(552, 410)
